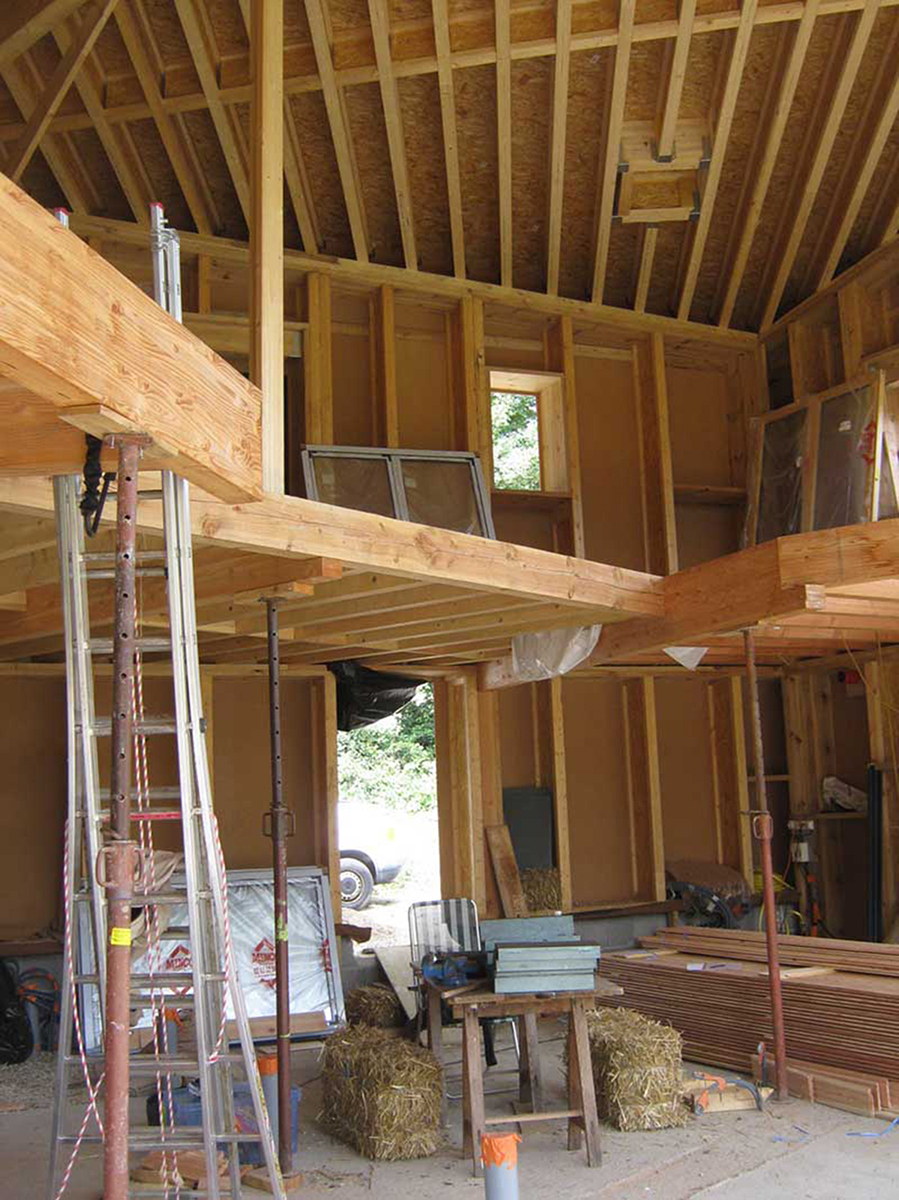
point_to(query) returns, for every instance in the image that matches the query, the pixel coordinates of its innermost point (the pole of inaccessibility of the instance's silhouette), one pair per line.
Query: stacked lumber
(722, 1008)
(868, 1095)
(864, 958)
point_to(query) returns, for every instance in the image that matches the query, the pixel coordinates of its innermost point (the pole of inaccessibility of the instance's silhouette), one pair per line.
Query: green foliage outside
(516, 448)
(392, 762)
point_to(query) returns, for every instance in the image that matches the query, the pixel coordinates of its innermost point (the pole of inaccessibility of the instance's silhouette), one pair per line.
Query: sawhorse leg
(435, 1036)
(581, 1092)
(473, 1126)
(529, 1088)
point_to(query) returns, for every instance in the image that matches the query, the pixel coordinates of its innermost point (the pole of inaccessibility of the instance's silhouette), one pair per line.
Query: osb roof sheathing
(472, 33)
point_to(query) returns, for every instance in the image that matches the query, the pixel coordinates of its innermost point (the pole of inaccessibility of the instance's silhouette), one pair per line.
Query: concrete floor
(792, 1150)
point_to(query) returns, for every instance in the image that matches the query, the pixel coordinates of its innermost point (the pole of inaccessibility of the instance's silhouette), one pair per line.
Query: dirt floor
(794, 1150)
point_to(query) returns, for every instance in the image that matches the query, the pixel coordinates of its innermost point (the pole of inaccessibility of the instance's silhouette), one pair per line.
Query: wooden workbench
(581, 1112)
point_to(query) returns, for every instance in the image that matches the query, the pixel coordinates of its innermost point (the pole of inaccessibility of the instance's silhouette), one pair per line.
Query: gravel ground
(387, 913)
(28, 1084)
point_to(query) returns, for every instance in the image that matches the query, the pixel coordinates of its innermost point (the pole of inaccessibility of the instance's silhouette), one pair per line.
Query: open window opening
(389, 850)
(516, 441)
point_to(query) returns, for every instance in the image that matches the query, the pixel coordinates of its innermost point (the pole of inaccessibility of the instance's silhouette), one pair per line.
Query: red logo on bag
(264, 963)
(178, 961)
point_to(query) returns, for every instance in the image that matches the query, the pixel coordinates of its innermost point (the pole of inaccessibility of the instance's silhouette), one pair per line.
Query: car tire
(356, 883)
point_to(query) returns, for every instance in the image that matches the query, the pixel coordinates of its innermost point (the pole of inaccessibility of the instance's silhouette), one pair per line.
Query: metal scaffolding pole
(121, 852)
(762, 828)
(279, 828)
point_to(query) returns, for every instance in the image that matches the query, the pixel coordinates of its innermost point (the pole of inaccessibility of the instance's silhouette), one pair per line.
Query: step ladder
(211, 979)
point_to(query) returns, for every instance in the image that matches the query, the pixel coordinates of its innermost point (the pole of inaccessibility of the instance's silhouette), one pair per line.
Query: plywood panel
(697, 414)
(350, 364)
(705, 532)
(33, 803)
(598, 821)
(517, 737)
(610, 468)
(688, 807)
(422, 386)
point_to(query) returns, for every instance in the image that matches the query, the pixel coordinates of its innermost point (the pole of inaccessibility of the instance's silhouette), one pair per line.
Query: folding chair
(449, 926)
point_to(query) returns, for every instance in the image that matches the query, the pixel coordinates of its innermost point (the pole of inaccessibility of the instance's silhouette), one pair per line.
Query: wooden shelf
(838, 816)
(501, 497)
(707, 493)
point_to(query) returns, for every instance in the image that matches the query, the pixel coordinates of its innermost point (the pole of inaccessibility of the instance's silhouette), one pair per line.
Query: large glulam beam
(75, 331)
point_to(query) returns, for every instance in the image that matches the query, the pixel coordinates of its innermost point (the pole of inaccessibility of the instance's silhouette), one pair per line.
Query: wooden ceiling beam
(759, 180)
(129, 19)
(676, 76)
(875, 126)
(608, 162)
(720, 138)
(644, 272)
(340, 131)
(396, 142)
(450, 133)
(57, 87)
(23, 24)
(558, 128)
(115, 138)
(619, 323)
(848, 73)
(503, 35)
(200, 37)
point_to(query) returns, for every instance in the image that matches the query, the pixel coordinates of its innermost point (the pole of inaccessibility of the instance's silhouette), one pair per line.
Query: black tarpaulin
(365, 696)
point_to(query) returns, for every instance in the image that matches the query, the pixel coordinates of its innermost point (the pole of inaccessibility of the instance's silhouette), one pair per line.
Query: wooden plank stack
(842, 1020)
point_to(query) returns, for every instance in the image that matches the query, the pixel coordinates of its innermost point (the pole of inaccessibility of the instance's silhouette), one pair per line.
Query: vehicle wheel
(356, 883)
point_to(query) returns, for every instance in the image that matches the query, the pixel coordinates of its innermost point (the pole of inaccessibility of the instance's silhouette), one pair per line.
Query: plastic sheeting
(780, 495)
(365, 696)
(845, 460)
(554, 652)
(314, 978)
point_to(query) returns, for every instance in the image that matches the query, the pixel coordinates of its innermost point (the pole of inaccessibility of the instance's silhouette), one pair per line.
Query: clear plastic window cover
(537, 656)
(780, 494)
(845, 460)
(313, 982)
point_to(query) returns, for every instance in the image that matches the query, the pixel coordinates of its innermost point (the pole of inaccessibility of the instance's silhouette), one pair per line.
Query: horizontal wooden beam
(79, 334)
(418, 284)
(23, 24)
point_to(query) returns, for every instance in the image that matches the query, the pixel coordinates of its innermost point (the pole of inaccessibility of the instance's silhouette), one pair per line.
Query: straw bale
(382, 1095)
(375, 1005)
(636, 1070)
(542, 888)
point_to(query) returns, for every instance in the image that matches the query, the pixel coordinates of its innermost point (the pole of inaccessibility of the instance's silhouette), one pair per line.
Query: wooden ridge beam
(340, 132)
(450, 133)
(676, 75)
(131, 22)
(503, 36)
(720, 139)
(881, 111)
(23, 24)
(558, 127)
(58, 85)
(748, 221)
(379, 17)
(848, 73)
(608, 162)
(415, 283)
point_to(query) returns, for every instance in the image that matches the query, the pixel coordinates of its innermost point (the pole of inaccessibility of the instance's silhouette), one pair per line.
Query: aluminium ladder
(211, 978)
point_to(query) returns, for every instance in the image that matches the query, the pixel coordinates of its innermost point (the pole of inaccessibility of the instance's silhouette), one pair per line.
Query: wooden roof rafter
(559, 125)
(760, 180)
(720, 136)
(502, 23)
(21, 27)
(450, 133)
(849, 68)
(340, 133)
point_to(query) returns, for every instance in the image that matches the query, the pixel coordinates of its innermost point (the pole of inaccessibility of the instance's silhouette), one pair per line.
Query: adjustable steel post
(279, 827)
(120, 853)
(762, 828)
